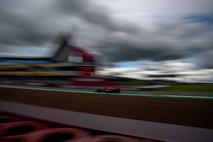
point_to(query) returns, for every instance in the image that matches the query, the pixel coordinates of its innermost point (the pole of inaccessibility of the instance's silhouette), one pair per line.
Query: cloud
(21, 23)
(100, 27)
(34, 22)
(163, 43)
(205, 59)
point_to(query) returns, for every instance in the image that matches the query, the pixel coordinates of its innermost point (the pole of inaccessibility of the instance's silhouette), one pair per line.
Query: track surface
(177, 114)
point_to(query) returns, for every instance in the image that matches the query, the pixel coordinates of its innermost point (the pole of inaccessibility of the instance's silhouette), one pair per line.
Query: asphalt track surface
(92, 90)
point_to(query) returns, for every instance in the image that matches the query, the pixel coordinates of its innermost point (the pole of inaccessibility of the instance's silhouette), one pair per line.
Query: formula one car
(109, 90)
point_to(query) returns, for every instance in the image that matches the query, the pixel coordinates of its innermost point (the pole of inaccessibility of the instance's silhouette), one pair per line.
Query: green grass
(189, 88)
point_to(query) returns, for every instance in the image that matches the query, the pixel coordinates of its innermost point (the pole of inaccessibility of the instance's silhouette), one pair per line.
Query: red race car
(109, 89)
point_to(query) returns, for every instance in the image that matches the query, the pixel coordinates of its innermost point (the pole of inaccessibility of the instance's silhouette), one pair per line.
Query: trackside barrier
(56, 135)
(7, 119)
(15, 131)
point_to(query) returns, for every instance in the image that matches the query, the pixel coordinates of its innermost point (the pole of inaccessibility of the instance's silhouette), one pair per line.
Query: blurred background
(131, 43)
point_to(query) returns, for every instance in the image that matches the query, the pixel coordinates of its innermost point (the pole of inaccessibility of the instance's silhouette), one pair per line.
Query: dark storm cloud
(88, 12)
(123, 50)
(184, 41)
(18, 26)
(94, 14)
(19, 23)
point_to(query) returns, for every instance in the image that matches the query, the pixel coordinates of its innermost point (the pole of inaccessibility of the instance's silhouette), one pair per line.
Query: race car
(109, 89)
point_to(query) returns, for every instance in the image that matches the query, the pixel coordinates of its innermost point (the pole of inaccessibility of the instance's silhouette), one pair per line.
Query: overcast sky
(123, 32)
